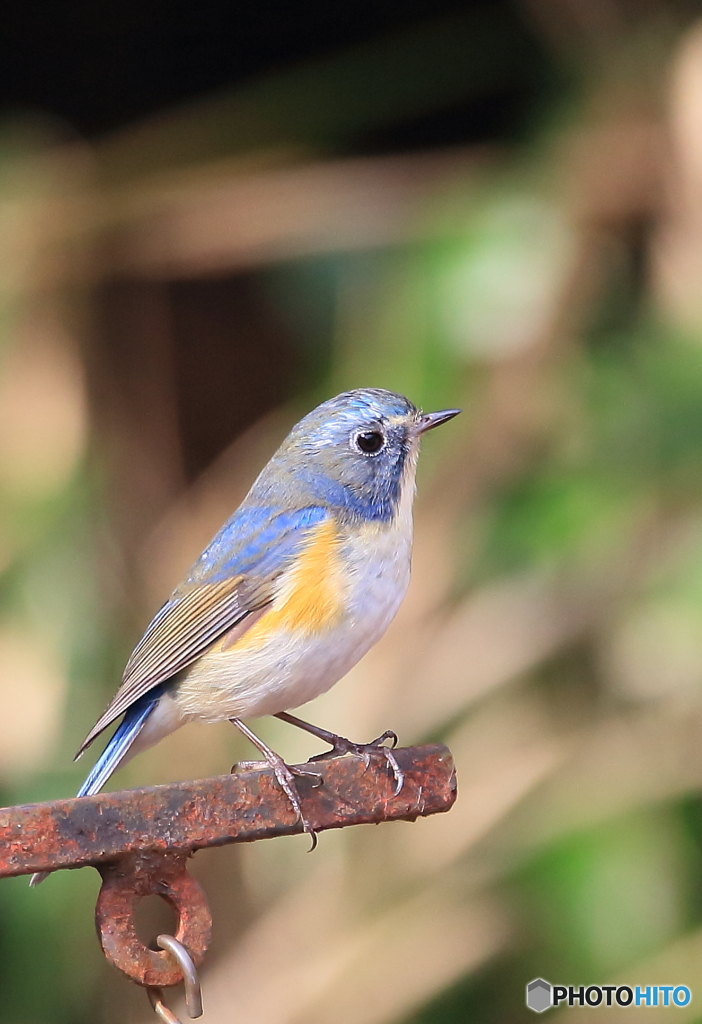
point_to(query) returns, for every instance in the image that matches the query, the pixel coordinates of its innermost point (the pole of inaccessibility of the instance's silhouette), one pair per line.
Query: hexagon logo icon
(538, 995)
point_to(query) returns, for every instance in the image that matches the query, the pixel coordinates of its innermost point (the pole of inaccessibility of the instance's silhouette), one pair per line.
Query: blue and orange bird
(295, 588)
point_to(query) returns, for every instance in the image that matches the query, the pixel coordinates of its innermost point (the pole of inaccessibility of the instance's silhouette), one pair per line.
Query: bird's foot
(253, 766)
(249, 766)
(340, 745)
(285, 776)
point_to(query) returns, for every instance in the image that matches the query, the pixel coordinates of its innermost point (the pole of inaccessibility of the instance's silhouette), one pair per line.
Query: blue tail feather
(125, 734)
(120, 742)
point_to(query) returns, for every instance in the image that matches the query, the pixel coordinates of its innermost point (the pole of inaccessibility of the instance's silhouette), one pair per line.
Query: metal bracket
(140, 839)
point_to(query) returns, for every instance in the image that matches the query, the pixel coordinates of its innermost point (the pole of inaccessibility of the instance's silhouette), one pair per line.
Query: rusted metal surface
(140, 841)
(187, 816)
(124, 883)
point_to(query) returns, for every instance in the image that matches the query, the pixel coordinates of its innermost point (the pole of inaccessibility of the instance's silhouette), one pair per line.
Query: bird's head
(355, 453)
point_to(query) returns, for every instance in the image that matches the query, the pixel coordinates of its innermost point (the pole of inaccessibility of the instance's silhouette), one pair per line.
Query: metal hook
(193, 994)
(161, 1010)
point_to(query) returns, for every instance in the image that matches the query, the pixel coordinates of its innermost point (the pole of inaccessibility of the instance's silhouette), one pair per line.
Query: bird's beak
(429, 420)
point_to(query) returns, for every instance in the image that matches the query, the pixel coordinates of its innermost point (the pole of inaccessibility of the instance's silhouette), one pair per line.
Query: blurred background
(213, 219)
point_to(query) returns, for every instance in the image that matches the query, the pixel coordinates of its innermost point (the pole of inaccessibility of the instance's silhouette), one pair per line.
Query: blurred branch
(219, 221)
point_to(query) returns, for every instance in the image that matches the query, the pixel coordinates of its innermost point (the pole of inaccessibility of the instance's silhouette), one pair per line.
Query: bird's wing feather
(234, 577)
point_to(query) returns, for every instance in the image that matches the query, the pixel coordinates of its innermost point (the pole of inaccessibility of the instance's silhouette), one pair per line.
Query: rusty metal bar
(187, 816)
(140, 841)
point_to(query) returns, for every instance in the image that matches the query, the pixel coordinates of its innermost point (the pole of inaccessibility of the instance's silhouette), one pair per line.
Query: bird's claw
(389, 734)
(304, 772)
(252, 766)
(286, 780)
(285, 776)
(249, 766)
(340, 745)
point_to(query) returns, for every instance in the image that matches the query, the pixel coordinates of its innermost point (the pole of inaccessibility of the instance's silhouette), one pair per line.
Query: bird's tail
(120, 742)
(114, 753)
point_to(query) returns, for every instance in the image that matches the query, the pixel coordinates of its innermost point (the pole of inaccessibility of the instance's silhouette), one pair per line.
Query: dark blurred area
(98, 68)
(215, 217)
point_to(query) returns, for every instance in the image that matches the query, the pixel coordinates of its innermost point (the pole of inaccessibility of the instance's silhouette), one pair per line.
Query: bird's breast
(311, 595)
(359, 573)
(332, 605)
(377, 564)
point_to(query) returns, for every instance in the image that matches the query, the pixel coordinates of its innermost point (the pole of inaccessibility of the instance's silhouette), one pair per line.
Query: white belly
(291, 669)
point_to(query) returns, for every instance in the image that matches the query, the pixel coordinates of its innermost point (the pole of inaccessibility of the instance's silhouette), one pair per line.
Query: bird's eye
(370, 442)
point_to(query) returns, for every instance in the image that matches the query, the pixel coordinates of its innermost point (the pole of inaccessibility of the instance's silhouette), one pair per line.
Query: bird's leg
(283, 773)
(340, 745)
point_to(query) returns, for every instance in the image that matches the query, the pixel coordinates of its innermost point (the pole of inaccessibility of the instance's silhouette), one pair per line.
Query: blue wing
(234, 576)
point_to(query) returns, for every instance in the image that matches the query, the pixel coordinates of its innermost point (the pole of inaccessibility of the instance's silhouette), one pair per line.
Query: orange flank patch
(310, 596)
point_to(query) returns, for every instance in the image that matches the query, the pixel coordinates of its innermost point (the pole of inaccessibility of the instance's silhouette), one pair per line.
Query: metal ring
(124, 884)
(160, 1009)
(193, 993)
